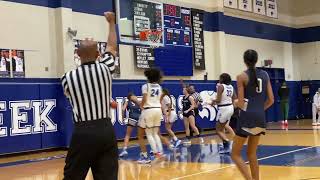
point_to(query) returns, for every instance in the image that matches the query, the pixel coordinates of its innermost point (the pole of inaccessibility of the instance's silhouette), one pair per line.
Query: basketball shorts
(132, 122)
(225, 113)
(187, 115)
(150, 118)
(173, 117)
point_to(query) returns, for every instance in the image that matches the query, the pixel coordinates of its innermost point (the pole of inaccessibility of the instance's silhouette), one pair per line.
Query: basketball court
(292, 153)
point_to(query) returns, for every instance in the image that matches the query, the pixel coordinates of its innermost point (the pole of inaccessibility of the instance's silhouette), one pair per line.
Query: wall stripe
(213, 21)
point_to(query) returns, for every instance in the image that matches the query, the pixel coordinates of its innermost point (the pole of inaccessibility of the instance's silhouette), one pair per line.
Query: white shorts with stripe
(150, 118)
(225, 113)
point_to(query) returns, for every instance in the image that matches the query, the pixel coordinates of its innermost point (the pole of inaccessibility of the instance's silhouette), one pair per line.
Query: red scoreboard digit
(170, 10)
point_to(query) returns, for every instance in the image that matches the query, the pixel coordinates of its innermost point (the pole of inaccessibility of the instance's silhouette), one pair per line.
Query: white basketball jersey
(3, 64)
(226, 97)
(166, 101)
(153, 92)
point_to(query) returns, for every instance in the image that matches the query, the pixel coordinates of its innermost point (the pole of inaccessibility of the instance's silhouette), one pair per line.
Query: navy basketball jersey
(134, 110)
(254, 116)
(186, 103)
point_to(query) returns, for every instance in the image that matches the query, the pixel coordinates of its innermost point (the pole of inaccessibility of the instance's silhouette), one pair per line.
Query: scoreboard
(177, 25)
(183, 38)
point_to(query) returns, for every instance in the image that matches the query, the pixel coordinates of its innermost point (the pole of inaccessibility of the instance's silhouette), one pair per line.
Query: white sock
(175, 138)
(158, 141)
(151, 140)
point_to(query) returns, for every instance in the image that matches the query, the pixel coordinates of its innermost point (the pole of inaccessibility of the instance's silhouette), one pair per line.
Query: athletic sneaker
(177, 143)
(314, 124)
(123, 153)
(318, 123)
(144, 160)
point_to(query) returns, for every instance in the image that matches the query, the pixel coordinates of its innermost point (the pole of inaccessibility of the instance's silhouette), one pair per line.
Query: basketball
(113, 105)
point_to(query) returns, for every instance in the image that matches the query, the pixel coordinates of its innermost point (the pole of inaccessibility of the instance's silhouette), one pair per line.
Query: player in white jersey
(169, 115)
(150, 118)
(224, 100)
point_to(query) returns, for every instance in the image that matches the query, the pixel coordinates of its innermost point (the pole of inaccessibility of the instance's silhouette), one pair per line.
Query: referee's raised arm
(88, 89)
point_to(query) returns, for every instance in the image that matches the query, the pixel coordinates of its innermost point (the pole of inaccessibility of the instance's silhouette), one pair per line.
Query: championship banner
(102, 46)
(245, 5)
(231, 4)
(272, 8)
(259, 7)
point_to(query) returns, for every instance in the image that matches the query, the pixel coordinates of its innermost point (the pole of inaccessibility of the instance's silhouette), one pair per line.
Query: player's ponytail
(250, 59)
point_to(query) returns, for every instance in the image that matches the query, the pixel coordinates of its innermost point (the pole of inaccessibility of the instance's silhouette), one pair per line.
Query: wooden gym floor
(292, 154)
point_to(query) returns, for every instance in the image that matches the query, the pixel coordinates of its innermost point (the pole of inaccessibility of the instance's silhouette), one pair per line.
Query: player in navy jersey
(224, 100)
(188, 105)
(254, 97)
(134, 111)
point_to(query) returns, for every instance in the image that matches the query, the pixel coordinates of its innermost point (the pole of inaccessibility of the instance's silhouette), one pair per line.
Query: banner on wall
(198, 39)
(259, 7)
(144, 57)
(231, 4)
(5, 63)
(272, 8)
(102, 46)
(12, 61)
(18, 63)
(245, 5)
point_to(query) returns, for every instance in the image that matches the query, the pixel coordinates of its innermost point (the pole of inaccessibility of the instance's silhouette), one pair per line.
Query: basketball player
(150, 119)
(134, 111)
(198, 101)
(170, 115)
(254, 85)
(224, 100)
(189, 104)
(316, 109)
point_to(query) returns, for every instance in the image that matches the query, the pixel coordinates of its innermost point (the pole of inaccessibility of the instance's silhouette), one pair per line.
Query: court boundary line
(233, 165)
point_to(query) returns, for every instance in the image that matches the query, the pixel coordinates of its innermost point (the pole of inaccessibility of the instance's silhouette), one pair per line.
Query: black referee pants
(93, 145)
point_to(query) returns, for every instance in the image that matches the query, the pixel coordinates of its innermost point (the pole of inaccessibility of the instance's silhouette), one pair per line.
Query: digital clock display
(171, 10)
(177, 24)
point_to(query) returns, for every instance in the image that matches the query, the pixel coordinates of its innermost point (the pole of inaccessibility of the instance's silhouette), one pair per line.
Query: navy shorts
(245, 134)
(187, 115)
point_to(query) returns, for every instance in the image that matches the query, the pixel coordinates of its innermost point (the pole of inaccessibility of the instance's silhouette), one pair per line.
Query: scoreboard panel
(177, 25)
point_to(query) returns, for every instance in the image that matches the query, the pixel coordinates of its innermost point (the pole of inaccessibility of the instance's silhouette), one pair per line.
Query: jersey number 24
(154, 92)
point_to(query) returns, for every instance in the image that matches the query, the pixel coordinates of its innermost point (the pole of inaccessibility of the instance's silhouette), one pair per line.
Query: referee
(93, 144)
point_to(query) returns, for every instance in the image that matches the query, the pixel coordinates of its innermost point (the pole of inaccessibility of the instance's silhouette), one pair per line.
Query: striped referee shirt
(197, 97)
(88, 89)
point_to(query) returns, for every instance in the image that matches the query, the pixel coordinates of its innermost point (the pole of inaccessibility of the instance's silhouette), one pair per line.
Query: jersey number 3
(259, 88)
(154, 92)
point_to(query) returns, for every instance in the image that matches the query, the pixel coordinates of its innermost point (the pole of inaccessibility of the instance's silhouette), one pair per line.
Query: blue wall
(42, 89)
